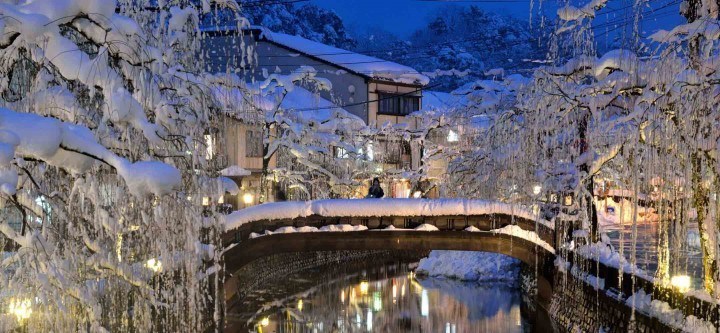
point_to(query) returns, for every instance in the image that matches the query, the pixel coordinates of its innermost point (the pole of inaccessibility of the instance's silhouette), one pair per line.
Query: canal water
(382, 299)
(639, 244)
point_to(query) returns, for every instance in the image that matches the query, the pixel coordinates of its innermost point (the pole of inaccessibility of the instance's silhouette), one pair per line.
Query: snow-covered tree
(466, 39)
(317, 147)
(308, 21)
(103, 168)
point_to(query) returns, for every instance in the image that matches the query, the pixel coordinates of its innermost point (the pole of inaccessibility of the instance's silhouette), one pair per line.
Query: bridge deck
(444, 214)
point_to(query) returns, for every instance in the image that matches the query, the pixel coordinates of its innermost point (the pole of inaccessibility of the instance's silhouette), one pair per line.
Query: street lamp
(364, 286)
(681, 282)
(248, 198)
(22, 309)
(154, 265)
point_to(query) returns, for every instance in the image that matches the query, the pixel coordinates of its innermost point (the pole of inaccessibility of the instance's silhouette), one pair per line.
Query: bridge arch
(450, 217)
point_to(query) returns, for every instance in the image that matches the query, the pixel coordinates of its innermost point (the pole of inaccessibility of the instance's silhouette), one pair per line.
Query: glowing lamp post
(248, 198)
(681, 282)
(154, 265)
(22, 309)
(364, 286)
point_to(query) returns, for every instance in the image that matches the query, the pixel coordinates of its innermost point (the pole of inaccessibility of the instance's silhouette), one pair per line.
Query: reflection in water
(639, 244)
(397, 304)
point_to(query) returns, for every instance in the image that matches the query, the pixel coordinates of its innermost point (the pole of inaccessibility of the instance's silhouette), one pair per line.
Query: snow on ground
(470, 266)
(603, 253)
(670, 316)
(375, 208)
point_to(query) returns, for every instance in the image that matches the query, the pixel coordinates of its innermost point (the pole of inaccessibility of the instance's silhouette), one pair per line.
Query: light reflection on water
(398, 304)
(642, 241)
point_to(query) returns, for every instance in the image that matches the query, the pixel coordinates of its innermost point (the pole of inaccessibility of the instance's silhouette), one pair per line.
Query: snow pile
(470, 266)
(343, 228)
(234, 171)
(670, 316)
(327, 228)
(375, 208)
(604, 253)
(426, 227)
(516, 231)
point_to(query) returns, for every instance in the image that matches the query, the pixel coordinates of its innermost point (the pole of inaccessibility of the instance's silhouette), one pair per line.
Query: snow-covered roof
(302, 103)
(364, 65)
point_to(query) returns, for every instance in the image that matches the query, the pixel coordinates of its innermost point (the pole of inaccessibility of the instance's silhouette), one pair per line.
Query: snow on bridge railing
(377, 208)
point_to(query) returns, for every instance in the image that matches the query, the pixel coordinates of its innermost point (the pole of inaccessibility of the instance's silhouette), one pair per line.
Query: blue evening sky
(402, 17)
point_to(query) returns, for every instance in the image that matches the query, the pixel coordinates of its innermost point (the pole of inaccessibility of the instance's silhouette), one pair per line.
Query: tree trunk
(701, 202)
(591, 211)
(265, 164)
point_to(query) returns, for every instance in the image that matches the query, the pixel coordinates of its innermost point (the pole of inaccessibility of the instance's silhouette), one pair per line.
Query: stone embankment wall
(279, 265)
(577, 306)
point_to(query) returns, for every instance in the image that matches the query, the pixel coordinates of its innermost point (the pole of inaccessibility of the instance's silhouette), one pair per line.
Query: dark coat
(376, 192)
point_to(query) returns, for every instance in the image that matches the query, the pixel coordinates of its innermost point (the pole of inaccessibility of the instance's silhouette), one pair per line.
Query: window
(453, 136)
(397, 105)
(341, 152)
(253, 143)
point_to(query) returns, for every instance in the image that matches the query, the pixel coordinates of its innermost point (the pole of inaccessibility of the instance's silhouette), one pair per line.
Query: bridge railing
(444, 214)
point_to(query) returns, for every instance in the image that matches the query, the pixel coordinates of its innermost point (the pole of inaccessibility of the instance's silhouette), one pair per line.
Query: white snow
(616, 213)
(74, 148)
(603, 253)
(375, 208)
(327, 228)
(670, 316)
(353, 62)
(516, 231)
(426, 227)
(470, 266)
(234, 171)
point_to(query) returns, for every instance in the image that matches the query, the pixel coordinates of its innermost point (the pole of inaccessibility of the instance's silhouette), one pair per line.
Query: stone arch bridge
(389, 224)
(459, 224)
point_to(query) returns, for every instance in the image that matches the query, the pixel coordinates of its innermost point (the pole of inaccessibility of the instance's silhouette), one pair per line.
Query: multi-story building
(377, 91)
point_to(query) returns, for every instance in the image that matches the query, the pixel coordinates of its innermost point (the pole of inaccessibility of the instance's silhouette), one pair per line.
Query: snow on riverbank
(470, 266)
(603, 253)
(667, 315)
(375, 208)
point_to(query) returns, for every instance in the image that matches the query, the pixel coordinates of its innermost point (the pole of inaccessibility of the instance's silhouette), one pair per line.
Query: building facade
(379, 92)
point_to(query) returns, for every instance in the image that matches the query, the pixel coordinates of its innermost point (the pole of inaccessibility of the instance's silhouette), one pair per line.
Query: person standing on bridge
(375, 190)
